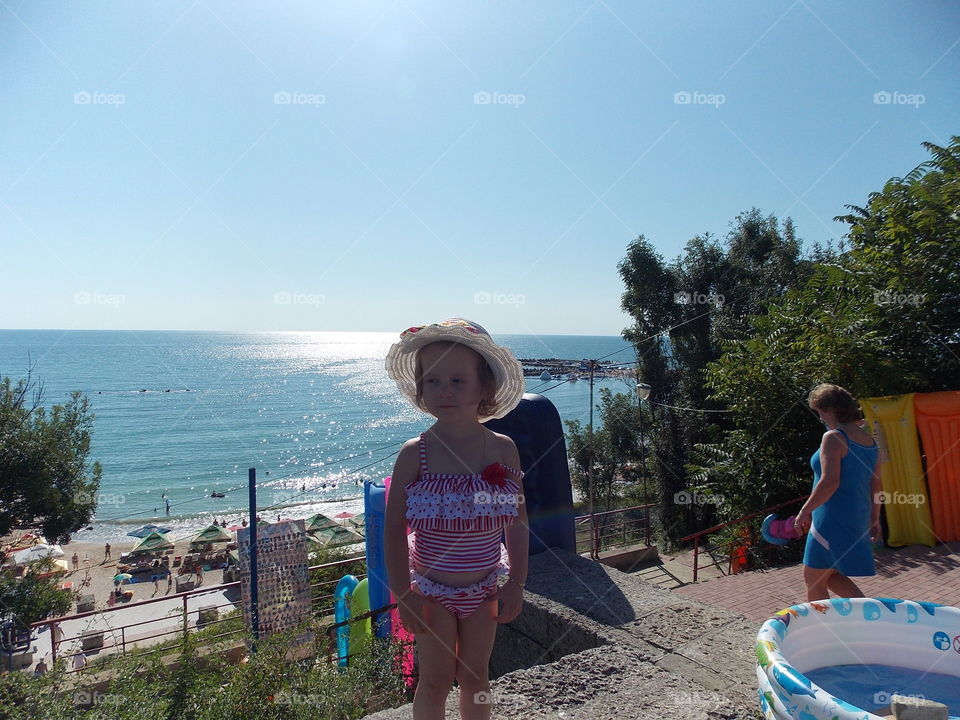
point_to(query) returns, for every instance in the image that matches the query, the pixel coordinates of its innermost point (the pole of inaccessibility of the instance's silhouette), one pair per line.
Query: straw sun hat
(402, 360)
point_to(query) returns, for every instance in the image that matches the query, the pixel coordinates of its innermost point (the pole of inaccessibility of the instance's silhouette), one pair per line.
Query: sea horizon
(183, 414)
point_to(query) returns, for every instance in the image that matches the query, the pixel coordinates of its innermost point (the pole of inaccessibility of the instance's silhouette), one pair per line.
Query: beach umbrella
(59, 568)
(343, 515)
(122, 577)
(320, 522)
(358, 521)
(147, 529)
(153, 541)
(211, 534)
(335, 537)
(37, 552)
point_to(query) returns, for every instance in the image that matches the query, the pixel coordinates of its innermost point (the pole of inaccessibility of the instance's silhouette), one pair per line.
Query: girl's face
(451, 381)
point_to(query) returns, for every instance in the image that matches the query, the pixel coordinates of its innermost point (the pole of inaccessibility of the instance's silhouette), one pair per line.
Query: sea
(180, 416)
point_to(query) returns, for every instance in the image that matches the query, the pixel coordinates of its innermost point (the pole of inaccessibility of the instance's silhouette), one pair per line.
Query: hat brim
(401, 365)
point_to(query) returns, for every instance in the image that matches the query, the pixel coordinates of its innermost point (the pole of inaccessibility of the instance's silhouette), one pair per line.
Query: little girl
(458, 487)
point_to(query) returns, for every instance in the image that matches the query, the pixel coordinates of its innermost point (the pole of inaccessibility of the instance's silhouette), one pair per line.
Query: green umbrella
(122, 577)
(211, 534)
(153, 541)
(320, 522)
(335, 537)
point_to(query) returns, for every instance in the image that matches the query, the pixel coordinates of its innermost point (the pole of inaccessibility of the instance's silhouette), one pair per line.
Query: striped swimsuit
(457, 523)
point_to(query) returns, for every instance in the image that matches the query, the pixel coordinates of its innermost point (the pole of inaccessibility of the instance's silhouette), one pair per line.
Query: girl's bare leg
(476, 635)
(437, 656)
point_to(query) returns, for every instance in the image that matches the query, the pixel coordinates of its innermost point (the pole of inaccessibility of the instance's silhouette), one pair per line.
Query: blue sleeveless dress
(839, 535)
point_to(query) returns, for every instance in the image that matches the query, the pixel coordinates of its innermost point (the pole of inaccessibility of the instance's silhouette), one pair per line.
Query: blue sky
(218, 165)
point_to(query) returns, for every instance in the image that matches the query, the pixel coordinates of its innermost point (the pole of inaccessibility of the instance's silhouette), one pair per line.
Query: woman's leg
(842, 586)
(476, 634)
(437, 656)
(817, 582)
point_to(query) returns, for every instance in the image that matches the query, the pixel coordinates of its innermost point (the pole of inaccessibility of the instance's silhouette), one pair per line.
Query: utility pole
(593, 523)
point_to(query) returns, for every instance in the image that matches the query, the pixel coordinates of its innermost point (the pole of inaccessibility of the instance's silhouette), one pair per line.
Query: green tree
(33, 598)
(683, 314)
(46, 479)
(615, 446)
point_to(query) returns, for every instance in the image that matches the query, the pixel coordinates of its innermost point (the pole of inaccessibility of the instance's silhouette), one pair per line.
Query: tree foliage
(45, 479)
(33, 598)
(880, 318)
(683, 312)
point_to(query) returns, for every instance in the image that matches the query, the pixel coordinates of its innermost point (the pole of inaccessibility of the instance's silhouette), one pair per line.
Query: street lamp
(643, 393)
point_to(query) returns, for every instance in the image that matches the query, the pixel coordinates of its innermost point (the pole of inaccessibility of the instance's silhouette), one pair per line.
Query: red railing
(746, 541)
(124, 631)
(600, 530)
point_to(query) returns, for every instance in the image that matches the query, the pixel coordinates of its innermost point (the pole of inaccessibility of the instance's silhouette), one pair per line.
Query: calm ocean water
(184, 414)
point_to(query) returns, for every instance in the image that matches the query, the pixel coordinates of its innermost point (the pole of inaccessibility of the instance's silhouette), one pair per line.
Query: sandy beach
(101, 572)
(95, 577)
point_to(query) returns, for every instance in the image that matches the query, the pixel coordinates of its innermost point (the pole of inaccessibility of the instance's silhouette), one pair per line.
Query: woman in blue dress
(842, 514)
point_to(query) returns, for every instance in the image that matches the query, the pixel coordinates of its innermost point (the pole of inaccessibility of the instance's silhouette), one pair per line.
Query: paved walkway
(913, 573)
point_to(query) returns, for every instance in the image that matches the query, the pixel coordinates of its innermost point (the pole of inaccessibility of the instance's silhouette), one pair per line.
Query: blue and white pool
(845, 659)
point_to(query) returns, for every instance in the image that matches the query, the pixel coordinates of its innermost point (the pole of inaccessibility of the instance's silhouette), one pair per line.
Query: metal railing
(733, 548)
(124, 635)
(601, 531)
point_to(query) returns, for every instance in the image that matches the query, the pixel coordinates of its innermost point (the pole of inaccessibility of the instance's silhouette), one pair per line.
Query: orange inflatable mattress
(938, 419)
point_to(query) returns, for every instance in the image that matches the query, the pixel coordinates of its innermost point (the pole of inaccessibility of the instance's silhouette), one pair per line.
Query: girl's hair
(836, 399)
(488, 383)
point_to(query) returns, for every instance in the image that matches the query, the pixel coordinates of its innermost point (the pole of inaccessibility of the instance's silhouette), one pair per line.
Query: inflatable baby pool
(845, 659)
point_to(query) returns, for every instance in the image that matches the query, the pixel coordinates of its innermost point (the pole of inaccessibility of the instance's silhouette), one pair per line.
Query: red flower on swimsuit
(495, 474)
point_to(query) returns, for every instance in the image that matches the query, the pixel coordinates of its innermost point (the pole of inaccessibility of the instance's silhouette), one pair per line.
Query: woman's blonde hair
(488, 382)
(836, 399)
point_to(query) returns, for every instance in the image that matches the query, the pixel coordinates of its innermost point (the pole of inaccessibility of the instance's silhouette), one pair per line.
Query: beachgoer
(168, 507)
(244, 523)
(199, 572)
(57, 636)
(79, 661)
(76, 562)
(41, 667)
(842, 513)
(106, 552)
(458, 502)
(169, 579)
